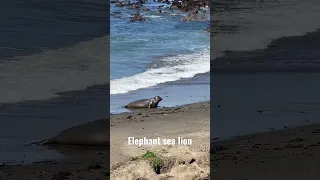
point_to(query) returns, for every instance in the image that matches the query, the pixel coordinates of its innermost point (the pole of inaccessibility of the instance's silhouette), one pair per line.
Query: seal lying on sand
(145, 103)
(94, 133)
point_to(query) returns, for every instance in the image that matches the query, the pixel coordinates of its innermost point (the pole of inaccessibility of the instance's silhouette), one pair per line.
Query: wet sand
(286, 154)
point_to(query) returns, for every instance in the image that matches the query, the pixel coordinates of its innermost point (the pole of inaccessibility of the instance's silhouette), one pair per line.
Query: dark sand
(87, 163)
(268, 91)
(279, 155)
(271, 103)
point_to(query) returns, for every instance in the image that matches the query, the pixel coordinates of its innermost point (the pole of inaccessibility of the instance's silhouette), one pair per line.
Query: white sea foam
(153, 16)
(173, 68)
(41, 76)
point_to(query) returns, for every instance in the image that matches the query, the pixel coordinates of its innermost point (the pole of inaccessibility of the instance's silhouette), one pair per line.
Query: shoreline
(91, 162)
(174, 93)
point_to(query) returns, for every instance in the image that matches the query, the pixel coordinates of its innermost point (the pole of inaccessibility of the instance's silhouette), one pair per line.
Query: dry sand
(179, 162)
(278, 155)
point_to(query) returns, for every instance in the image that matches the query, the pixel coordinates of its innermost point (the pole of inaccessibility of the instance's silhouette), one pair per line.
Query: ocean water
(53, 72)
(155, 56)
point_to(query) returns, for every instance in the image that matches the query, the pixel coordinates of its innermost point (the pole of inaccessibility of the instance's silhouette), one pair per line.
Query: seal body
(145, 103)
(94, 133)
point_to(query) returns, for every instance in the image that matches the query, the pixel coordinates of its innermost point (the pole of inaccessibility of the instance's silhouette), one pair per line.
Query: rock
(203, 11)
(189, 5)
(137, 17)
(135, 6)
(141, 1)
(115, 15)
(194, 16)
(208, 30)
(127, 4)
(61, 175)
(95, 166)
(216, 148)
(146, 9)
(173, 7)
(166, 1)
(119, 4)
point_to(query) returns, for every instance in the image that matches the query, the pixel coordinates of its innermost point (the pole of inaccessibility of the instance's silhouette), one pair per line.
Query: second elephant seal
(145, 103)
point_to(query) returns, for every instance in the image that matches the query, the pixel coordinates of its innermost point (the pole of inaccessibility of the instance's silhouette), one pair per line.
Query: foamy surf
(173, 68)
(153, 16)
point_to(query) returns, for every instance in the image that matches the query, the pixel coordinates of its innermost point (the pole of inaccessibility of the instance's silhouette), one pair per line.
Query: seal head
(154, 102)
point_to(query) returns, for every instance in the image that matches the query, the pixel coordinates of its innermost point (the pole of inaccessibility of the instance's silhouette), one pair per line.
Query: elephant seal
(94, 133)
(145, 103)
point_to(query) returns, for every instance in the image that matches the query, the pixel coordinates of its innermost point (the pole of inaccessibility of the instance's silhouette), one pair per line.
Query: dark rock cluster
(191, 7)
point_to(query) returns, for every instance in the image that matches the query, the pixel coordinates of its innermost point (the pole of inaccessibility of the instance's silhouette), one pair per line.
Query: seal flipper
(150, 103)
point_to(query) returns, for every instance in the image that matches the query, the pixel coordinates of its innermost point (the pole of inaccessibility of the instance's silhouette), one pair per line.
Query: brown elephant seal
(94, 133)
(145, 103)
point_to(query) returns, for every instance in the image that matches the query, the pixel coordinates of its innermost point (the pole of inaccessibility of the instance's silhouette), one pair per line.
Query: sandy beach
(265, 111)
(80, 163)
(265, 126)
(285, 154)
(189, 121)
(264, 91)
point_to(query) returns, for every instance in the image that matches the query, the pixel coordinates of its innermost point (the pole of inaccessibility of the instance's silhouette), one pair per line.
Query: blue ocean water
(154, 52)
